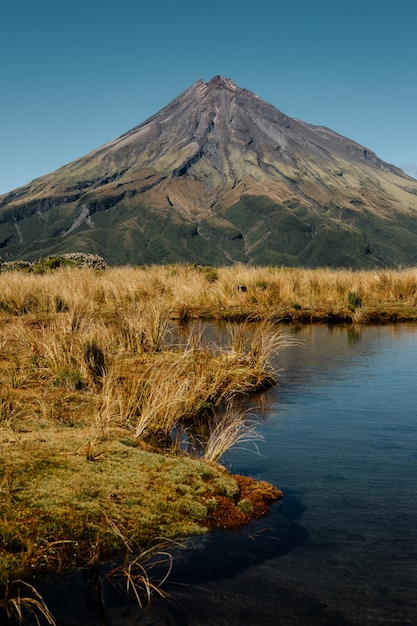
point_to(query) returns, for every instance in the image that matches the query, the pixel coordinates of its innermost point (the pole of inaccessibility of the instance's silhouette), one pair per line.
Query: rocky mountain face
(216, 177)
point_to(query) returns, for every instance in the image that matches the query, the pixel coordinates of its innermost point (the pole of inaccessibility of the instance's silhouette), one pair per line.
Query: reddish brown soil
(228, 514)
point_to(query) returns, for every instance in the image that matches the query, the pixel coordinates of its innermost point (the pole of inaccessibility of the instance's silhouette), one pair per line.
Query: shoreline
(303, 316)
(97, 403)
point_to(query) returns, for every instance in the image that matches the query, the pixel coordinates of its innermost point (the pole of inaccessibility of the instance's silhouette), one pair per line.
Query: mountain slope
(219, 176)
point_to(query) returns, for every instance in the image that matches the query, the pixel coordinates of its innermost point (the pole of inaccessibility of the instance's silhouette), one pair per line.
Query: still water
(340, 440)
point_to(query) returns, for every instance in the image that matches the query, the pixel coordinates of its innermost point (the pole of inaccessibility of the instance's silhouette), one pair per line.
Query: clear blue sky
(74, 75)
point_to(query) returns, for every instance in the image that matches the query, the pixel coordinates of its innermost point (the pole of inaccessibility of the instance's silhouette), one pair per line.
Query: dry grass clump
(135, 574)
(153, 397)
(20, 601)
(227, 430)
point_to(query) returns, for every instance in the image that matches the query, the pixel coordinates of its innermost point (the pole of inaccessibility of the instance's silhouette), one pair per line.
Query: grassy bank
(235, 292)
(114, 411)
(112, 422)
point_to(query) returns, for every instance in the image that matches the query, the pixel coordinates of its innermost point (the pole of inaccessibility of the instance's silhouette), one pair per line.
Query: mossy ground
(64, 505)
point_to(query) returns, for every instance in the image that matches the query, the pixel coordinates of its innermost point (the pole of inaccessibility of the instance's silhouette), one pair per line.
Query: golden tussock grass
(200, 291)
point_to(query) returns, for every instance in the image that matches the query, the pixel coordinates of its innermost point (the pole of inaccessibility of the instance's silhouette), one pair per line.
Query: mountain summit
(219, 176)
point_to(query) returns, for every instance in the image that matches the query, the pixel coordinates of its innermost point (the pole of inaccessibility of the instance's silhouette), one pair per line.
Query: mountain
(219, 176)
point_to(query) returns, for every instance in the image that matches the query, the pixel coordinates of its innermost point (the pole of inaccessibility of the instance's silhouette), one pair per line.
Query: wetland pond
(340, 440)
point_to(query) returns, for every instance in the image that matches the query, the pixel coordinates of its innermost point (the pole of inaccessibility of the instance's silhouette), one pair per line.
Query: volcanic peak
(220, 176)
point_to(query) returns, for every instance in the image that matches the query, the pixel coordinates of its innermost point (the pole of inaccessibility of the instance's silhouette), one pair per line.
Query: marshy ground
(114, 410)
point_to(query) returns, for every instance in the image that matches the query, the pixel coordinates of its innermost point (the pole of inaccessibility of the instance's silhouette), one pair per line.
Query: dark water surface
(341, 547)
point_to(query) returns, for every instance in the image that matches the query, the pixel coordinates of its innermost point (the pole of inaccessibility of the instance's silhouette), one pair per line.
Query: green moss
(245, 506)
(58, 498)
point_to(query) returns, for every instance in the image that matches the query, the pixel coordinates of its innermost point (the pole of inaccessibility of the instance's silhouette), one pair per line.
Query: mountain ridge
(219, 176)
